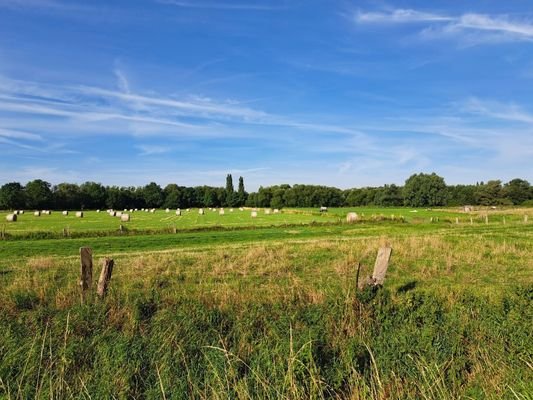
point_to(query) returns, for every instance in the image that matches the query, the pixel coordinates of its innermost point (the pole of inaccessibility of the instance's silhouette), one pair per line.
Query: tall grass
(277, 321)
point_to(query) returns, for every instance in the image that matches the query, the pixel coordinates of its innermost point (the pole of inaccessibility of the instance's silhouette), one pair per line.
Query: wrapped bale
(79, 214)
(254, 214)
(201, 211)
(11, 218)
(178, 212)
(37, 213)
(351, 217)
(125, 218)
(221, 212)
(65, 213)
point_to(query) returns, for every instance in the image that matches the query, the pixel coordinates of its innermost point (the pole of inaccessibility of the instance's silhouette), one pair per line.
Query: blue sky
(342, 93)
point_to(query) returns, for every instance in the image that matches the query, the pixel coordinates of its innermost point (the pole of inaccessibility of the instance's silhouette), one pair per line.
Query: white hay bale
(231, 210)
(65, 212)
(351, 217)
(125, 210)
(37, 213)
(188, 209)
(201, 211)
(11, 217)
(46, 212)
(241, 209)
(136, 210)
(118, 214)
(125, 218)
(97, 211)
(15, 212)
(79, 214)
(113, 213)
(152, 210)
(254, 214)
(267, 211)
(131, 210)
(21, 211)
(178, 212)
(276, 211)
(167, 210)
(221, 212)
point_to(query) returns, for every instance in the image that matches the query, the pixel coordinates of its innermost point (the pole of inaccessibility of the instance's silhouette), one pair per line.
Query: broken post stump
(380, 268)
(105, 277)
(86, 260)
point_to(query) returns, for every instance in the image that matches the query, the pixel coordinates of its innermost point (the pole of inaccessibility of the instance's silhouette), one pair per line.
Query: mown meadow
(272, 311)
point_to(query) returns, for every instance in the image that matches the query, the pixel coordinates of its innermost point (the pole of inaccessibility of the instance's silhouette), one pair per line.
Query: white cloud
(218, 5)
(150, 149)
(478, 27)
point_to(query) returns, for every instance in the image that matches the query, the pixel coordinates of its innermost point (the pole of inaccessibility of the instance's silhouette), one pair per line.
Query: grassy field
(268, 308)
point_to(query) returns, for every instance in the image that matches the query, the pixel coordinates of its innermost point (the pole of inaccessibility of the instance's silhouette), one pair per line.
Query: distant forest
(420, 190)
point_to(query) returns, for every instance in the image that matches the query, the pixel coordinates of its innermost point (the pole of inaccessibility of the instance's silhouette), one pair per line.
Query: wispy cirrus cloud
(498, 110)
(219, 5)
(479, 27)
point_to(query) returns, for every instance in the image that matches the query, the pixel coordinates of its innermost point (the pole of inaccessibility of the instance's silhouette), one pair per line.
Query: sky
(339, 93)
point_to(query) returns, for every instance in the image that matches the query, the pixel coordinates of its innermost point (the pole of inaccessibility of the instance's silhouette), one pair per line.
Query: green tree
(153, 195)
(425, 190)
(517, 190)
(12, 196)
(241, 193)
(489, 193)
(67, 196)
(93, 195)
(38, 194)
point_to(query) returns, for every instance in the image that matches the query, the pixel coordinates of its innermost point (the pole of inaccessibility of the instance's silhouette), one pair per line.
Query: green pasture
(160, 220)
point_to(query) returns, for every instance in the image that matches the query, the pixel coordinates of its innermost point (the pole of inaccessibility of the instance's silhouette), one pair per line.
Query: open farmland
(230, 306)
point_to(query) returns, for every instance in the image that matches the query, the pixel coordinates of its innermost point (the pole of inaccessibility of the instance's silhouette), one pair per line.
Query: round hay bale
(254, 214)
(221, 212)
(37, 213)
(21, 211)
(178, 212)
(152, 210)
(267, 211)
(113, 213)
(65, 213)
(351, 217)
(125, 218)
(97, 211)
(167, 210)
(188, 209)
(241, 209)
(276, 211)
(79, 214)
(11, 217)
(118, 214)
(201, 211)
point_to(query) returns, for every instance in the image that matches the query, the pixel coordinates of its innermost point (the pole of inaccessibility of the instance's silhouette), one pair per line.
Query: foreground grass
(230, 318)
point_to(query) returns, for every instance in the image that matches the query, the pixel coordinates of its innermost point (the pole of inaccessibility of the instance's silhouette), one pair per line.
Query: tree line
(419, 190)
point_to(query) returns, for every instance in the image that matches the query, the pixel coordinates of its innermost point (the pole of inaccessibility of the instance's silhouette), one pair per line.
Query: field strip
(326, 237)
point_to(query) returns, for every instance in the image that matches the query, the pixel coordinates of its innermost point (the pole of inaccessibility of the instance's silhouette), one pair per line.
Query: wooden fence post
(105, 277)
(86, 260)
(380, 268)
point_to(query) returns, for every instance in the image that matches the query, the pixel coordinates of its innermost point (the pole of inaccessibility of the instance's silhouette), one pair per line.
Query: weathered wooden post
(380, 268)
(86, 260)
(105, 277)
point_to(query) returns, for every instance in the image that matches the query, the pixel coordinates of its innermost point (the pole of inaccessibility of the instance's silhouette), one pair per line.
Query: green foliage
(12, 196)
(424, 190)
(38, 194)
